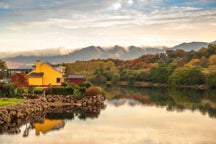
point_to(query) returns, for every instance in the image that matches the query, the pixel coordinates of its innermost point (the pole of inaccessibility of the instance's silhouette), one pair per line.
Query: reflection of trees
(171, 98)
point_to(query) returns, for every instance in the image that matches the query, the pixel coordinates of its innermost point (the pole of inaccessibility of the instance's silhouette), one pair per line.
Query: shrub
(48, 90)
(93, 91)
(38, 91)
(70, 90)
(87, 85)
(20, 92)
(11, 90)
(82, 90)
(77, 94)
(64, 84)
(59, 91)
(62, 90)
(30, 89)
(7, 90)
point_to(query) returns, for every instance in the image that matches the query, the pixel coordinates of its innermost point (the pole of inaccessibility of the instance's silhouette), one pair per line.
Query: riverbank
(27, 108)
(150, 84)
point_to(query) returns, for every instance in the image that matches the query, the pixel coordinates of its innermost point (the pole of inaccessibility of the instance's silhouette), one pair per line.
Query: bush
(70, 90)
(64, 84)
(82, 90)
(62, 90)
(77, 94)
(87, 85)
(93, 91)
(7, 90)
(11, 90)
(20, 92)
(38, 91)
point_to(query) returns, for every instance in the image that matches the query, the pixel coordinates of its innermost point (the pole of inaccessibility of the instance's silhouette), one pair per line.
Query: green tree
(161, 73)
(3, 68)
(115, 78)
(187, 76)
(211, 80)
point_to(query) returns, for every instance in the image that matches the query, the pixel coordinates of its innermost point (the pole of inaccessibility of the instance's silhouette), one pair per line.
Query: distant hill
(191, 46)
(96, 52)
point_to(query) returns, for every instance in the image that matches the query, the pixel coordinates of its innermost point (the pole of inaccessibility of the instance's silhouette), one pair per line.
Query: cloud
(130, 2)
(82, 21)
(4, 5)
(201, 2)
(116, 6)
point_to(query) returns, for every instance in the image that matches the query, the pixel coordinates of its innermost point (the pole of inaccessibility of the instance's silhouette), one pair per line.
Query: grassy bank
(4, 102)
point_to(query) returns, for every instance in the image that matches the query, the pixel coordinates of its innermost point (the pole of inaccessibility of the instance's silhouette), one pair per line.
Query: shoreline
(150, 84)
(16, 112)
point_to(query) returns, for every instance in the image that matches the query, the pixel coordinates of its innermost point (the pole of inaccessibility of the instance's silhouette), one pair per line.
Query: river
(131, 116)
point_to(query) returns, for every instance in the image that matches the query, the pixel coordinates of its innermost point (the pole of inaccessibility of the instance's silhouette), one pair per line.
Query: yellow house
(46, 74)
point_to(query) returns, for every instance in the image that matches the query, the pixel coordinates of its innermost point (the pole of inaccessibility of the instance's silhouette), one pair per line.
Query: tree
(211, 80)
(187, 76)
(19, 80)
(211, 49)
(160, 74)
(3, 67)
(212, 60)
(115, 78)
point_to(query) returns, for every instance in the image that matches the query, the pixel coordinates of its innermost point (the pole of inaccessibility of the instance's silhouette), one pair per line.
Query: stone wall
(22, 110)
(54, 106)
(88, 101)
(11, 113)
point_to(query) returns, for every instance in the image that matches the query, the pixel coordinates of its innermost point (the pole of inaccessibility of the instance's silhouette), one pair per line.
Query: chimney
(37, 68)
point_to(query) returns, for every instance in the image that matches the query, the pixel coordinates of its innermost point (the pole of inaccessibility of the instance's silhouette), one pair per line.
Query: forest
(172, 68)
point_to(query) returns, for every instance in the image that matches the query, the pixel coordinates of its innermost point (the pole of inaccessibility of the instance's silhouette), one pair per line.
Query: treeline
(174, 67)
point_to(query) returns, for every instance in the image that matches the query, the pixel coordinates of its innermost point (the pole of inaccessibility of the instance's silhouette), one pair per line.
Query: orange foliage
(20, 80)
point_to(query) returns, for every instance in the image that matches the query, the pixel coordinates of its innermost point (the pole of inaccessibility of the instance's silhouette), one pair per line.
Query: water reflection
(48, 125)
(52, 119)
(132, 116)
(173, 99)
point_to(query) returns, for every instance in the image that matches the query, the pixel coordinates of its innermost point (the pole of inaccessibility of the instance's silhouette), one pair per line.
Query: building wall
(35, 81)
(50, 75)
(77, 81)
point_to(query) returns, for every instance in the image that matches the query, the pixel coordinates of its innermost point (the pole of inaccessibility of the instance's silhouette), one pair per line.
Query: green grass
(10, 101)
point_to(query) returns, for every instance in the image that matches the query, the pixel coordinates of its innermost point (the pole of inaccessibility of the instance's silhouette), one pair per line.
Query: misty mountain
(96, 52)
(191, 46)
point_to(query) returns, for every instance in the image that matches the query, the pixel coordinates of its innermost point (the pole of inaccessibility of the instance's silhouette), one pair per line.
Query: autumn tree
(212, 60)
(19, 80)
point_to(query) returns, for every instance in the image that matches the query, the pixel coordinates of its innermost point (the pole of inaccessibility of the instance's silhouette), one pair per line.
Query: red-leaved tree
(20, 80)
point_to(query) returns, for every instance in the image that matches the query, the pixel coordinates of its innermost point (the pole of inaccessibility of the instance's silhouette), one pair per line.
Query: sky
(39, 24)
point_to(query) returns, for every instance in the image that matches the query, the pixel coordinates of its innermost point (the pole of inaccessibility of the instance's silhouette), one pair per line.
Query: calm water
(132, 116)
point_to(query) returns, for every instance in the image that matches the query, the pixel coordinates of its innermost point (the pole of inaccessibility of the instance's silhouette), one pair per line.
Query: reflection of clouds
(131, 125)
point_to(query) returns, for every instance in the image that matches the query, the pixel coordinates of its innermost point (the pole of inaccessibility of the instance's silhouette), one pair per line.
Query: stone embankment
(19, 111)
(22, 110)
(88, 101)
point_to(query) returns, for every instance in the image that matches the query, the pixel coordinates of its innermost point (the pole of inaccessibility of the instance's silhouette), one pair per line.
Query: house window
(58, 80)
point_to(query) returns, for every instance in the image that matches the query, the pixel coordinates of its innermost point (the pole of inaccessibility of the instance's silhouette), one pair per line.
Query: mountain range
(61, 55)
